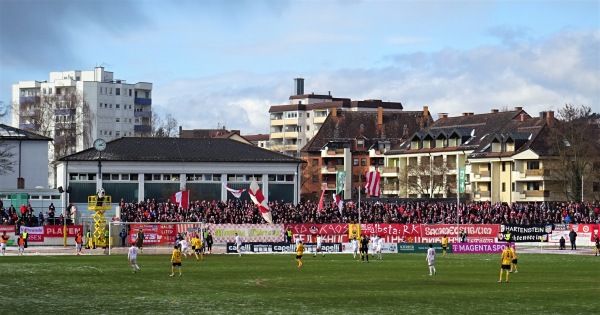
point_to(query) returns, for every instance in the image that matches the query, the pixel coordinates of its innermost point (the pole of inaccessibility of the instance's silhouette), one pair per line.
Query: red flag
(182, 198)
(260, 201)
(320, 207)
(372, 184)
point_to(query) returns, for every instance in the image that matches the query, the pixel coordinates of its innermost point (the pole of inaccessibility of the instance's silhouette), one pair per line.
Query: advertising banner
(419, 247)
(36, 233)
(281, 247)
(159, 234)
(480, 233)
(478, 248)
(585, 231)
(57, 230)
(248, 232)
(524, 233)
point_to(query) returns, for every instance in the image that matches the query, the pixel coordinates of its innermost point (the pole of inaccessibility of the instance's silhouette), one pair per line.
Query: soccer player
(299, 252)
(506, 259)
(140, 240)
(78, 243)
(373, 245)
(597, 247)
(175, 260)
(238, 244)
(21, 243)
(354, 243)
(319, 247)
(513, 265)
(197, 246)
(3, 241)
(184, 247)
(431, 260)
(445, 246)
(379, 247)
(364, 248)
(132, 257)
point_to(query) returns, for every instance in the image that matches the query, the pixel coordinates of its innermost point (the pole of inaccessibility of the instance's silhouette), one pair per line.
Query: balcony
(29, 99)
(390, 170)
(535, 194)
(319, 120)
(141, 128)
(27, 126)
(277, 122)
(376, 153)
(483, 194)
(65, 111)
(142, 101)
(535, 172)
(142, 114)
(481, 174)
(378, 168)
(333, 153)
(276, 135)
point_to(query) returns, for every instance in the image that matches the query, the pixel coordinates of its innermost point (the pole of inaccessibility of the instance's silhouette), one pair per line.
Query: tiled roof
(181, 150)
(346, 126)
(12, 133)
(258, 137)
(339, 103)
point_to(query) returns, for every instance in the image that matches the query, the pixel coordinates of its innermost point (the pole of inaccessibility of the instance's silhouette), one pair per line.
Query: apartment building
(293, 125)
(76, 107)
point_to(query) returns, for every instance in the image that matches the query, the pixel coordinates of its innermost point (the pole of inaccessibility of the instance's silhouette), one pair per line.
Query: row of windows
(117, 106)
(109, 91)
(117, 133)
(177, 177)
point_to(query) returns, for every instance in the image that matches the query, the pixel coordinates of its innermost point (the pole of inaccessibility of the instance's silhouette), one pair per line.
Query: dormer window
(360, 143)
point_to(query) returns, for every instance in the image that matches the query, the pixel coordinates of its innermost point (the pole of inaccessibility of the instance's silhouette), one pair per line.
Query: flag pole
(359, 189)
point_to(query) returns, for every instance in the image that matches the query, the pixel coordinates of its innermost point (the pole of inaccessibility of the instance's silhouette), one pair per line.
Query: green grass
(272, 284)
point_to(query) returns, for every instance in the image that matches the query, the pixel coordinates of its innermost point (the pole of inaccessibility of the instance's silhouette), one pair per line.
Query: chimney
(379, 115)
(425, 111)
(495, 111)
(522, 117)
(442, 115)
(334, 112)
(550, 118)
(299, 86)
(518, 108)
(471, 114)
(465, 114)
(20, 183)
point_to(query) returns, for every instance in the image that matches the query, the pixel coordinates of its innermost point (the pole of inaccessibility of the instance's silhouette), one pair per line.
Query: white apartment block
(118, 109)
(293, 126)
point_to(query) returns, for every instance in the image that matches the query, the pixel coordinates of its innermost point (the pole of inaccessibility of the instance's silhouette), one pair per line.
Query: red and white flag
(320, 207)
(182, 198)
(372, 184)
(260, 201)
(339, 202)
(234, 192)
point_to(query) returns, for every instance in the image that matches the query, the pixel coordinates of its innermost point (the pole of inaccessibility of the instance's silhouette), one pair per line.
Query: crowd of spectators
(237, 212)
(26, 216)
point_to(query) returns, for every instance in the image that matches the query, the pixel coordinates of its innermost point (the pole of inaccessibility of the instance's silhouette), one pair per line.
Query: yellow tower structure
(100, 205)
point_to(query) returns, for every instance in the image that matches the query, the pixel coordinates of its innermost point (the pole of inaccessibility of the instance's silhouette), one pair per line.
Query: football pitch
(273, 284)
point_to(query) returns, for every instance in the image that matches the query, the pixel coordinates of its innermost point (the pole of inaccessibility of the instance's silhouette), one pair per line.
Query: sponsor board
(154, 234)
(57, 230)
(7, 228)
(281, 247)
(249, 232)
(420, 247)
(477, 248)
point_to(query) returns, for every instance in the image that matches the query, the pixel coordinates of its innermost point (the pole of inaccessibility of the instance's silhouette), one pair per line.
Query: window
(110, 106)
(117, 106)
(156, 176)
(315, 162)
(147, 177)
(533, 186)
(360, 143)
(117, 119)
(503, 168)
(514, 186)
(533, 165)
(355, 162)
(114, 176)
(133, 177)
(118, 91)
(308, 128)
(110, 91)
(49, 90)
(117, 133)
(129, 92)
(124, 176)
(315, 178)
(596, 186)
(363, 162)
(503, 187)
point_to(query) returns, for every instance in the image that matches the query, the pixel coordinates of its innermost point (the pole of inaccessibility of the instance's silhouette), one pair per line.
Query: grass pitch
(272, 284)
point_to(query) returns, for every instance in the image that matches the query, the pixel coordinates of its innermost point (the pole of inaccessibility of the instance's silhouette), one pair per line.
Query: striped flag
(372, 184)
(236, 193)
(260, 201)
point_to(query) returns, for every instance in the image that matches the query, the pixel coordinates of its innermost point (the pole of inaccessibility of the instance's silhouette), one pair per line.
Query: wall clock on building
(100, 144)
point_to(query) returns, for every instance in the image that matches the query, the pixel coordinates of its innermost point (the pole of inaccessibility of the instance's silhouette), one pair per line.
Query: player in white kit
(354, 243)
(132, 257)
(379, 247)
(431, 259)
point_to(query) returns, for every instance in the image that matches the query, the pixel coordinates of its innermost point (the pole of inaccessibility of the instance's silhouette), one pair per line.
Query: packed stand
(238, 212)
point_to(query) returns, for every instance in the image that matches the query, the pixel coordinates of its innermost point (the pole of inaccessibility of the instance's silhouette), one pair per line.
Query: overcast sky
(226, 62)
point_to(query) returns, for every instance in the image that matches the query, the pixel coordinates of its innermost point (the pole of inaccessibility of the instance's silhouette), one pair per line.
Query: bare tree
(166, 128)
(425, 177)
(574, 141)
(65, 117)
(6, 149)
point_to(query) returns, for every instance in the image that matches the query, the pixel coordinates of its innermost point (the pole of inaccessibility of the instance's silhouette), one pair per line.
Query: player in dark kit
(364, 248)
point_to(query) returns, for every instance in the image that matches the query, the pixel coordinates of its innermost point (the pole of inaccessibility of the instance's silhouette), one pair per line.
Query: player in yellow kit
(444, 246)
(506, 258)
(197, 247)
(513, 265)
(299, 252)
(175, 260)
